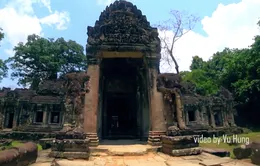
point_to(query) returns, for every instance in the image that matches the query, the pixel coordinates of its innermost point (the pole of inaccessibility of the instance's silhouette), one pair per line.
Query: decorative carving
(122, 25)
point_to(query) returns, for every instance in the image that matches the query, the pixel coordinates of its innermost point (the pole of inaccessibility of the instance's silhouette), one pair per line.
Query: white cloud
(232, 26)
(59, 19)
(105, 2)
(18, 20)
(108, 2)
(47, 4)
(17, 27)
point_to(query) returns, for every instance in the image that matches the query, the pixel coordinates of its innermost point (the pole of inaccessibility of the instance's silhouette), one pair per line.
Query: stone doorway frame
(157, 126)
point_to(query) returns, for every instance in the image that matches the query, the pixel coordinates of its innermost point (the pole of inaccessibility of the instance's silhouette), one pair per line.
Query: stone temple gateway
(123, 53)
(122, 95)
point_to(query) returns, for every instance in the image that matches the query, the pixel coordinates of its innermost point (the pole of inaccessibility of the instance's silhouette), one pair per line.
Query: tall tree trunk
(179, 111)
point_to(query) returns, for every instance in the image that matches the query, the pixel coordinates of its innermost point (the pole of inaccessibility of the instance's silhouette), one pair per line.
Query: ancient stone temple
(122, 95)
(128, 96)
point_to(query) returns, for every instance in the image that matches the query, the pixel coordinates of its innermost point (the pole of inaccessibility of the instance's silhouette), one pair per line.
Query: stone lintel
(116, 54)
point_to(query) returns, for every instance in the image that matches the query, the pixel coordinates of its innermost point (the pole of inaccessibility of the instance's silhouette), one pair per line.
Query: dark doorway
(55, 118)
(191, 115)
(10, 121)
(39, 117)
(218, 119)
(121, 117)
(120, 105)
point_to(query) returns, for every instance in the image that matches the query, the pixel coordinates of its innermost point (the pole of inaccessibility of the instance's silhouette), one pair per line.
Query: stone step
(122, 150)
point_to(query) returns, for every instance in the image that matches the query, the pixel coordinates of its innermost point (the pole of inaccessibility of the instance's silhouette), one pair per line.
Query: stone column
(186, 117)
(45, 116)
(15, 119)
(197, 115)
(91, 105)
(212, 119)
(232, 119)
(158, 123)
(224, 116)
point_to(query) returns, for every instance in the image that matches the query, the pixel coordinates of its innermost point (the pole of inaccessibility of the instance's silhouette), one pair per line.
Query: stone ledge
(70, 155)
(93, 138)
(178, 139)
(155, 138)
(186, 152)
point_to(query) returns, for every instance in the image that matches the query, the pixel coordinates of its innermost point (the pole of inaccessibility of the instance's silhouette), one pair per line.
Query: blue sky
(224, 23)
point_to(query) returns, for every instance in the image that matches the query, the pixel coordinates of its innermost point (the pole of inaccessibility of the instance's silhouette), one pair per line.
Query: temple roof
(51, 87)
(46, 100)
(122, 27)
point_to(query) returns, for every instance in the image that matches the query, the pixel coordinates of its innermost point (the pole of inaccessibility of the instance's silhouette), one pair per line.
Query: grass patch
(18, 143)
(252, 136)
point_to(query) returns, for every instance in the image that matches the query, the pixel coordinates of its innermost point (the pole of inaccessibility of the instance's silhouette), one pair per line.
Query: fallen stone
(46, 142)
(242, 152)
(255, 158)
(217, 152)
(173, 131)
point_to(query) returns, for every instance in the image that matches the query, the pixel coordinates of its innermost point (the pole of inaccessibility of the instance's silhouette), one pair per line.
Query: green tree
(40, 59)
(242, 74)
(197, 63)
(3, 67)
(207, 75)
(204, 84)
(1, 34)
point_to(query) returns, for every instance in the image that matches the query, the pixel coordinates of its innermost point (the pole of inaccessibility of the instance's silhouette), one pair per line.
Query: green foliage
(1, 34)
(3, 67)
(204, 85)
(238, 70)
(197, 63)
(18, 143)
(39, 59)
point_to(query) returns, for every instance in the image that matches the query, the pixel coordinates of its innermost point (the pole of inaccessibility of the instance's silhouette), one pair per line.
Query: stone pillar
(158, 123)
(45, 116)
(15, 118)
(197, 115)
(186, 117)
(232, 119)
(212, 119)
(91, 105)
(224, 117)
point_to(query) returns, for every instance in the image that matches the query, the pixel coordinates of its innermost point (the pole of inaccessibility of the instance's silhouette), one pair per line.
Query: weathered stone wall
(23, 155)
(204, 111)
(62, 96)
(28, 136)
